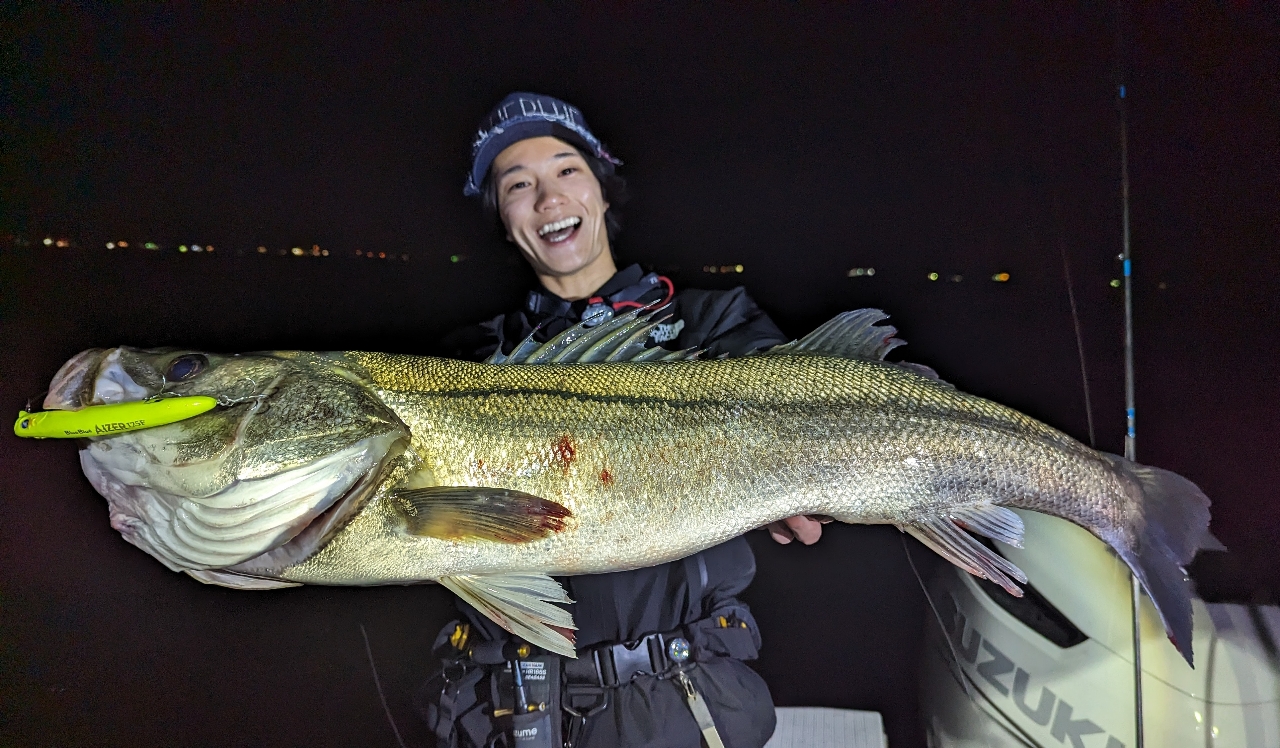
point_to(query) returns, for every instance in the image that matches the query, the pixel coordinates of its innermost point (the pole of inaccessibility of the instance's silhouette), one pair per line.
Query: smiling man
(660, 649)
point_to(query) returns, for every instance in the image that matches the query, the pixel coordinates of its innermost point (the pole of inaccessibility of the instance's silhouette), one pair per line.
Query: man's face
(552, 206)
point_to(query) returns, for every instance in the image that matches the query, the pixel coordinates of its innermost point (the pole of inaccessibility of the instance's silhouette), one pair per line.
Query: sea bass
(593, 452)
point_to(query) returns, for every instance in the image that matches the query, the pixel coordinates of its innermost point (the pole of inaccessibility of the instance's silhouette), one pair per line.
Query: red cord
(671, 291)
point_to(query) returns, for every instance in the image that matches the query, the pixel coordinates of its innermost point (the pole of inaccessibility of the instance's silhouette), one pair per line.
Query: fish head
(296, 444)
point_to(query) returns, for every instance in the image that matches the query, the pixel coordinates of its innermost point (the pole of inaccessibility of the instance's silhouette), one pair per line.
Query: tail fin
(1174, 524)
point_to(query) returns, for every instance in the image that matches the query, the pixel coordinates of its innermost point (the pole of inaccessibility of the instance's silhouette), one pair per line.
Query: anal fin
(946, 538)
(992, 521)
(521, 603)
(498, 514)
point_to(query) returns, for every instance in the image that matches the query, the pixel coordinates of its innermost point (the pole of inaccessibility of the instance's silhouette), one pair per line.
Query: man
(653, 644)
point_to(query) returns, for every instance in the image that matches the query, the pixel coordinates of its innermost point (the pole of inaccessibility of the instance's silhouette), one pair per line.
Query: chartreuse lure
(104, 420)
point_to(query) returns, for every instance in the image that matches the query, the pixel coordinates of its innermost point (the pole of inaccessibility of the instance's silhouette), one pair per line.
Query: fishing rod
(1130, 434)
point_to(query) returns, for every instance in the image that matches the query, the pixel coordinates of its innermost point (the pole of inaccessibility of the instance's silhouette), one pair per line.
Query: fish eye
(185, 367)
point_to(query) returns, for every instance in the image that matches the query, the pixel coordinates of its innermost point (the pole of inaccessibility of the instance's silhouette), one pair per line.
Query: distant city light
(1115, 282)
(111, 245)
(315, 250)
(957, 278)
(182, 248)
(723, 268)
(197, 248)
(857, 272)
(122, 244)
(48, 241)
(208, 247)
(63, 243)
(1163, 285)
(297, 251)
(382, 255)
(262, 250)
(1000, 277)
(151, 245)
(933, 276)
(324, 253)
(405, 258)
(454, 258)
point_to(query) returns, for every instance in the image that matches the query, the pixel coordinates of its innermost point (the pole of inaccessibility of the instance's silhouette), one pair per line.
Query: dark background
(800, 141)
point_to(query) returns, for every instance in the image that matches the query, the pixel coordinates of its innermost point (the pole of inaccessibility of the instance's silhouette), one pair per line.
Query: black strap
(615, 665)
(695, 572)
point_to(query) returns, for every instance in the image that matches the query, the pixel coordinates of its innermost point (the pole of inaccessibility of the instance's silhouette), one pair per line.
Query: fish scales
(693, 459)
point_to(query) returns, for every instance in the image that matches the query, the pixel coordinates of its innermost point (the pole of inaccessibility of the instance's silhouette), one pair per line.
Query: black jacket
(721, 322)
(625, 606)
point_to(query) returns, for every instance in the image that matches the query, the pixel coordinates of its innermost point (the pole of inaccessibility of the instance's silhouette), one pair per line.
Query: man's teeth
(560, 225)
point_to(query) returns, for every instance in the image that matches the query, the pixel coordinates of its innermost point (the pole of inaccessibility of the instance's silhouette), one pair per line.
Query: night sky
(798, 141)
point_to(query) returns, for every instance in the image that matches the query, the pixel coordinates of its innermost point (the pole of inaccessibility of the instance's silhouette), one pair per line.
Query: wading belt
(589, 679)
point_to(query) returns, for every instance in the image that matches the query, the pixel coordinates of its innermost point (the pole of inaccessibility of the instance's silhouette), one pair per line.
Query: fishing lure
(103, 420)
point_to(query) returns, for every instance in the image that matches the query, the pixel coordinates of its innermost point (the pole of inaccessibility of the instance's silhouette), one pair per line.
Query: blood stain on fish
(606, 477)
(563, 452)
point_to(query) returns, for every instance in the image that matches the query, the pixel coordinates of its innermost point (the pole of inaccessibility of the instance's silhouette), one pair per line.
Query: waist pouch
(471, 701)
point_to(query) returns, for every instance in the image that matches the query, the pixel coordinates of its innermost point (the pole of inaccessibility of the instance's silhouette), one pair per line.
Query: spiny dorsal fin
(498, 514)
(848, 335)
(855, 334)
(623, 338)
(521, 603)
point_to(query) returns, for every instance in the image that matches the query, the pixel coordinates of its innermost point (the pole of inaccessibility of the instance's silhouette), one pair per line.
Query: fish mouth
(102, 376)
(70, 388)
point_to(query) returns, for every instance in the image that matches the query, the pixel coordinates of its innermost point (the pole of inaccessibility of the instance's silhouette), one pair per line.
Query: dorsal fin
(623, 338)
(848, 335)
(855, 334)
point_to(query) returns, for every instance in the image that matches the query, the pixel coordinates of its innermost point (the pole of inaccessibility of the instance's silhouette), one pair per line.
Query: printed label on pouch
(533, 670)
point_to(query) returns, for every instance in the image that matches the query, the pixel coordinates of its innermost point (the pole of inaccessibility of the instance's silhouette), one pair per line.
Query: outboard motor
(1055, 667)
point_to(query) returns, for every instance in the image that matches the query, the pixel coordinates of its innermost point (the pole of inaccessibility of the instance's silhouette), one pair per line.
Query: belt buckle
(628, 662)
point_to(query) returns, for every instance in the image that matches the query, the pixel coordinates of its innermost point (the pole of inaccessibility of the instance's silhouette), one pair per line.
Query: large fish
(588, 455)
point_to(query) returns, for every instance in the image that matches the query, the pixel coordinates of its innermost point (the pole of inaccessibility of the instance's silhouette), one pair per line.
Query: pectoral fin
(960, 548)
(499, 514)
(522, 604)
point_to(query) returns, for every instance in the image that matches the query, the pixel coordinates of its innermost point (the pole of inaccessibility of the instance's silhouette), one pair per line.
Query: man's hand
(806, 528)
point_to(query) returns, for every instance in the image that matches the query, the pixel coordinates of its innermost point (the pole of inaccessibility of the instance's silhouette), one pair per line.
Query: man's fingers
(780, 533)
(805, 530)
